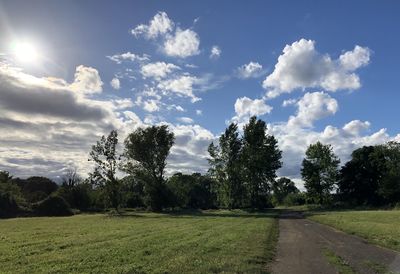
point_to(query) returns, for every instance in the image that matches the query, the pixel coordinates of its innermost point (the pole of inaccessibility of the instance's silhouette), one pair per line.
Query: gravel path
(303, 244)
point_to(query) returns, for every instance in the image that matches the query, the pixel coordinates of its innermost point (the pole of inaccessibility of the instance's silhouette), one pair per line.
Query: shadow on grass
(269, 213)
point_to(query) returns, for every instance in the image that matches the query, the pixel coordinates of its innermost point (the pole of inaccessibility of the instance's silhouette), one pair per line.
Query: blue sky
(334, 64)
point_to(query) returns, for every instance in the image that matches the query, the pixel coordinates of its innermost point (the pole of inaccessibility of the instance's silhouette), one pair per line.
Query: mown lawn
(377, 226)
(207, 242)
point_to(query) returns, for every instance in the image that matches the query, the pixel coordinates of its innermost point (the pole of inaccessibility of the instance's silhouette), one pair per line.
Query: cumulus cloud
(250, 70)
(199, 112)
(246, 107)
(183, 43)
(182, 86)
(128, 56)
(158, 70)
(301, 66)
(312, 107)
(158, 25)
(47, 123)
(115, 83)
(151, 105)
(87, 80)
(215, 52)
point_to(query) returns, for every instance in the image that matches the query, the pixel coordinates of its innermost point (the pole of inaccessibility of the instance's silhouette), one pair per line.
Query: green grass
(341, 265)
(207, 242)
(377, 226)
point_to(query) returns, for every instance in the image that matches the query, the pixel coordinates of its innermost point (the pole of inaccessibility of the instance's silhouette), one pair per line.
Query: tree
(359, 177)
(320, 171)
(260, 160)
(282, 188)
(225, 167)
(106, 164)
(146, 152)
(389, 183)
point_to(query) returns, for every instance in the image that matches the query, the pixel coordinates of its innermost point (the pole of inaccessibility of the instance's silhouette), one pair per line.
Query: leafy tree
(146, 151)
(320, 171)
(106, 163)
(282, 188)
(10, 196)
(359, 177)
(389, 184)
(225, 167)
(37, 188)
(191, 191)
(260, 160)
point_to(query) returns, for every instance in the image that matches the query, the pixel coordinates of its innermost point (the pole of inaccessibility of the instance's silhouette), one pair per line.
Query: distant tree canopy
(320, 171)
(282, 188)
(242, 174)
(244, 167)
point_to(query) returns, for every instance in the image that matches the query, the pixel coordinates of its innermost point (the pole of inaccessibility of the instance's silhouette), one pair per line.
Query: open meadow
(201, 242)
(381, 227)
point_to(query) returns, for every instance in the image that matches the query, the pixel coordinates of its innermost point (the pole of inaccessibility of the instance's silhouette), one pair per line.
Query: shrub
(53, 206)
(8, 205)
(293, 199)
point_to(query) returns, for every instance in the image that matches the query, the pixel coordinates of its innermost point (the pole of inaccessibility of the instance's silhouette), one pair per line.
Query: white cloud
(182, 86)
(312, 107)
(87, 80)
(301, 66)
(115, 83)
(151, 105)
(183, 43)
(47, 123)
(355, 59)
(199, 112)
(289, 102)
(158, 25)
(356, 127)
(246, 107)
(185, 120)
(128, 56)
(250, 70)
(158, 70)
(215, 52)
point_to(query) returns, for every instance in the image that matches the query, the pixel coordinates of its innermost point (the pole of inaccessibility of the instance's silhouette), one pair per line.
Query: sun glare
(25, 52)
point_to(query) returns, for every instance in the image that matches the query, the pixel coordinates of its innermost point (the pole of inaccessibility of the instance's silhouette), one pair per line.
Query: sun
(25, 52)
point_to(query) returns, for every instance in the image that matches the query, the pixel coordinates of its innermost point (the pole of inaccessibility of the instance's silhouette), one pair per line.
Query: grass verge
(377, 226)
(205, 242)
(338, 262)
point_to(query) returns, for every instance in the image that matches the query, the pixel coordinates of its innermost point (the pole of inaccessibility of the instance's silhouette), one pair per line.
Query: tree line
(242, 173)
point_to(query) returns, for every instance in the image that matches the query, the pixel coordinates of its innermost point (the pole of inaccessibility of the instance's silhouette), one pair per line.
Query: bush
(293, 199)
(53, 206)
(8, 205)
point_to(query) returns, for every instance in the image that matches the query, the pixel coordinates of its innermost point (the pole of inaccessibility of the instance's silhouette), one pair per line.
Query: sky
(71, 71)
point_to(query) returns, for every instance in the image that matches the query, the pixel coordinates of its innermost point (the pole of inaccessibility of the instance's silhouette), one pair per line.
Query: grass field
(207, 242)
(377, 226)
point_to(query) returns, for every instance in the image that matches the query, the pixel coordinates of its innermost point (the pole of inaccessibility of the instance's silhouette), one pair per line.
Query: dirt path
(303, 247)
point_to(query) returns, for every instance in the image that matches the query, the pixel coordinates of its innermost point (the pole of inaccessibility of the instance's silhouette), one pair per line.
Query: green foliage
(204, 242)
(282, 188)
(52, 206)
(191, 191)
(225, 168)
(372, 176)
(260, 160)
(294, 199)
(37, 188)
(146, 151)
(106, 160)
(320, 172)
